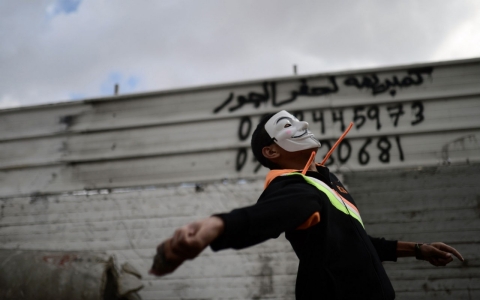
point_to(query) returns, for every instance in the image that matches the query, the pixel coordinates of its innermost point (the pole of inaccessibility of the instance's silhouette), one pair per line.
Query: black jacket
(338, 260)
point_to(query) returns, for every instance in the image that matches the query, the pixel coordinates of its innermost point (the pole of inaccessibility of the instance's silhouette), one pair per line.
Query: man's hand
(187, 242)
(439, 254)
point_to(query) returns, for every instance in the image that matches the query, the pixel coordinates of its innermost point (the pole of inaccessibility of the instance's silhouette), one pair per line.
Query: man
(302, 199)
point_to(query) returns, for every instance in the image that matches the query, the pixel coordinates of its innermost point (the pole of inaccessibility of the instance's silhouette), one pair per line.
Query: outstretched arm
(186, 243)
(438, 254)
(274, 213)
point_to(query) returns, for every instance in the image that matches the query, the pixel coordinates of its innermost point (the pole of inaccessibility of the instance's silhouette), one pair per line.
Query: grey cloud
(169, 44)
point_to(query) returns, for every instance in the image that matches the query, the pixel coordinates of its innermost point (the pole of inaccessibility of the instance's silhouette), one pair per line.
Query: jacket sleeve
(386, 250)
(280, 208)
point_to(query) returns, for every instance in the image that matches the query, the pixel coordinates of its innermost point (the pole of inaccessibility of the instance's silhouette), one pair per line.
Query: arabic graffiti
(385, 147)
(419, 114)
(344, 150)
(244, 128)
(270, 94)
(372, 82)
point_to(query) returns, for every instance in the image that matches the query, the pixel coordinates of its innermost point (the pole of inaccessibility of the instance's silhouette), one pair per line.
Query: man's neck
(299, 166)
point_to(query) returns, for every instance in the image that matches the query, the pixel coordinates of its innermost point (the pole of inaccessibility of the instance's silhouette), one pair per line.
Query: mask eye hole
(287, 125)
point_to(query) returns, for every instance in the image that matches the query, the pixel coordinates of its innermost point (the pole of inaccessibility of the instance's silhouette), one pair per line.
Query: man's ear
(271, 152)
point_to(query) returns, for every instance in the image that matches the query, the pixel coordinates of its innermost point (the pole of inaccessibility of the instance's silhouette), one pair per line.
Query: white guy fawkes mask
(290, 133)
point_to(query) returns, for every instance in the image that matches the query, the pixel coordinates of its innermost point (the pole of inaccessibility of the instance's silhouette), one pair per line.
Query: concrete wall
(119, 174)
(429, 204)
(419, 204)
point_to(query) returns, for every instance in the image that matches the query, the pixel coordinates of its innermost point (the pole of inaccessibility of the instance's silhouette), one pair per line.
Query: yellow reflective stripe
(330, 193)
(335, 199)
(354, 214)
(350, 206)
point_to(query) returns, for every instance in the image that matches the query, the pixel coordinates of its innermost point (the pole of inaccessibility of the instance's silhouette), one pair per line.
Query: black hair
(260, 139)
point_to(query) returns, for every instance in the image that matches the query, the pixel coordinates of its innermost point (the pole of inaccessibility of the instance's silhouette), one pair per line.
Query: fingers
(440, 254)
(439, 262)
(448, 249)
(433, 261)
(165, 261)
(187, 242)
(444, 261)
(437, 253)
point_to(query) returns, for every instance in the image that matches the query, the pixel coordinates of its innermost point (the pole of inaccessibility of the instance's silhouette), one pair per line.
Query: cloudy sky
(64, 50)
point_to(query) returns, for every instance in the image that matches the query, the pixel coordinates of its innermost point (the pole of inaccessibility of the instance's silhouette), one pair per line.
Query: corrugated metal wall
(428, 204)
(110, 174)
